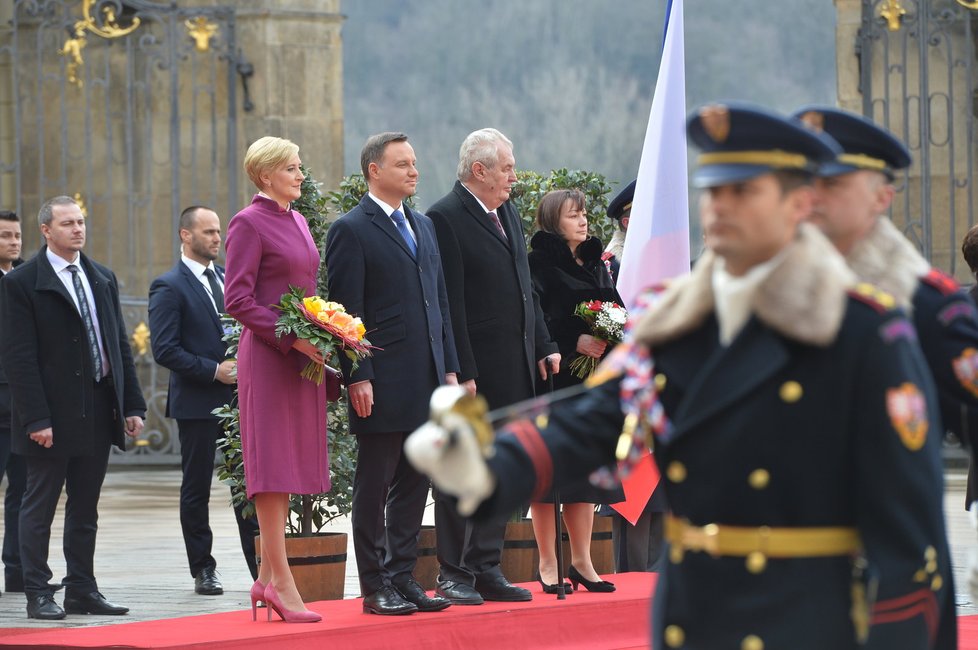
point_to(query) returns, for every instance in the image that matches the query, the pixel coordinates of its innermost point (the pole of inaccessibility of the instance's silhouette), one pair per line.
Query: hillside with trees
(569, 81)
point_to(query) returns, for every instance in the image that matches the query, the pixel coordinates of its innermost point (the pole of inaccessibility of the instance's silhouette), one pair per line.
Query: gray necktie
(86, 315)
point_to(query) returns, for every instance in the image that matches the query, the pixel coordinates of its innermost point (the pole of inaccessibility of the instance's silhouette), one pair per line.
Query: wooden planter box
(426, 570)
(318, 564)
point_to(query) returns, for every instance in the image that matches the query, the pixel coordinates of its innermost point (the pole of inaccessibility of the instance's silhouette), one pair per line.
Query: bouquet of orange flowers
(325, 324)
(607, 322)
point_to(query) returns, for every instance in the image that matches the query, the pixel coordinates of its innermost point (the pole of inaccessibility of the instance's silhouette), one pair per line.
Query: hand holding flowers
(607, 321)
(324, 324)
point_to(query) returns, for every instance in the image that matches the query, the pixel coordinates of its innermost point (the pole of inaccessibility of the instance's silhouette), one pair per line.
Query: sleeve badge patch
(958, 309)
(966, 370)
(907, 409)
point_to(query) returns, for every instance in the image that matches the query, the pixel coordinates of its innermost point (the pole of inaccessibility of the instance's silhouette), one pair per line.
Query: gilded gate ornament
(893, 12)
(81, 204)
(140, 339)
(109, 28)
(201, 30)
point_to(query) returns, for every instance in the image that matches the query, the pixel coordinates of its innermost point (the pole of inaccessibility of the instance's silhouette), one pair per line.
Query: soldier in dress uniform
(792, 416)
(620, 212)
(852, 194)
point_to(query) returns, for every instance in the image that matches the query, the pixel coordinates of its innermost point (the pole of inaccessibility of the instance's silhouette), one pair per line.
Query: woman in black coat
(567, 269)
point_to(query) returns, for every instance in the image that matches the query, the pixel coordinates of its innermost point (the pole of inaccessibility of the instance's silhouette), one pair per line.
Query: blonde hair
(265, 154)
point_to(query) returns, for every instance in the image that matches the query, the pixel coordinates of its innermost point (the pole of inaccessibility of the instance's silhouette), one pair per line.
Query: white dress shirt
(198, 271)
(388, 210)
(60, 266)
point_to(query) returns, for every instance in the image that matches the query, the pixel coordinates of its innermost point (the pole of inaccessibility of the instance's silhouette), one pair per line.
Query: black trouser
(82, 478)
(388, 504)
(198, 443)
(467, 549)
(13, 466)
(638, 547)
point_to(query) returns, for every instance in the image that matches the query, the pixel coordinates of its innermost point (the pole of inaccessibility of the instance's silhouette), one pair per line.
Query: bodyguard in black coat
(187, 339)
(73, 397)
(500, 335)
(383, 266)
(10, 464)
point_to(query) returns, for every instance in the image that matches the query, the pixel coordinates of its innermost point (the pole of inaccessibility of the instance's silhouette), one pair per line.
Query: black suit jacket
(404, 306)
(4, 387)
(500, 332)
(187, 340)
(48, 363)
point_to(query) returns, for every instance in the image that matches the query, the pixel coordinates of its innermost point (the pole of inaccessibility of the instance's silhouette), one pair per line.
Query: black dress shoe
(498, 588)
(387, 601)
(415, 593)
(93, 603)
(458, 593)
(44, 608)
(207, 584)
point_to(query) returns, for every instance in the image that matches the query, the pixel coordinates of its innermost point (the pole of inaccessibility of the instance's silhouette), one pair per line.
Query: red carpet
(968, 632)
(581, 621)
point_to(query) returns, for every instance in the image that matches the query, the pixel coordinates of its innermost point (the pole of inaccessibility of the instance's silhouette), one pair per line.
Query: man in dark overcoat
(10, 464)
(383, 265)
(74, 392)
(185, 308)
(500, 334)
(793, 419)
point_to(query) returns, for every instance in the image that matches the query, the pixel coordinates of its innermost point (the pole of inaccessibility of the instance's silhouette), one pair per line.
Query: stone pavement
(140, 560)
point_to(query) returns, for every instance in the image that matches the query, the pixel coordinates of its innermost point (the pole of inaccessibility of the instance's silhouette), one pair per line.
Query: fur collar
(617, 244)
(887, 259)
(804, 298)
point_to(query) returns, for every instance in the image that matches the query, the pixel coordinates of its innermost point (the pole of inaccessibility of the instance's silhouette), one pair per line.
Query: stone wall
(141, 139)
(937, 201)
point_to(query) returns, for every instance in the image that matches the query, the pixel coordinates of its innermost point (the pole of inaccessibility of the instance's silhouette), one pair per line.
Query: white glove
(447, 450)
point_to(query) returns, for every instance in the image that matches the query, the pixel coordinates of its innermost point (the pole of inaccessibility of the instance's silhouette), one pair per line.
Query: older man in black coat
(384, 267)
(74, 393)
(500, 334)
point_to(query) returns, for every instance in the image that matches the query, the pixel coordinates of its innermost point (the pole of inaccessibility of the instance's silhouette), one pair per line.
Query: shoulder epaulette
(873, 296)
(941, 281)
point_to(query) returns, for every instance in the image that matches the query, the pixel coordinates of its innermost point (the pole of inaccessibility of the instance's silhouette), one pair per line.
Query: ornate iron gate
(131, 107)
(918, 78)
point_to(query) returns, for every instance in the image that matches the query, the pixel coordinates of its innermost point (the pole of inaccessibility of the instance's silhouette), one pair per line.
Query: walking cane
(559, 543)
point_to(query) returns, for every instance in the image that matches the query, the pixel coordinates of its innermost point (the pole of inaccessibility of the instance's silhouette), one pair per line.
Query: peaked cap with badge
(740, 141)
(865, 144)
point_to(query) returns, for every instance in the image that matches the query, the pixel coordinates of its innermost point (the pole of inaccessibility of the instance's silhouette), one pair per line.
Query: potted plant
(317, 559)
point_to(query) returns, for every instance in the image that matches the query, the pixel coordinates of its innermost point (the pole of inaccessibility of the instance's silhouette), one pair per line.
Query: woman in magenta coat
(283, 416)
